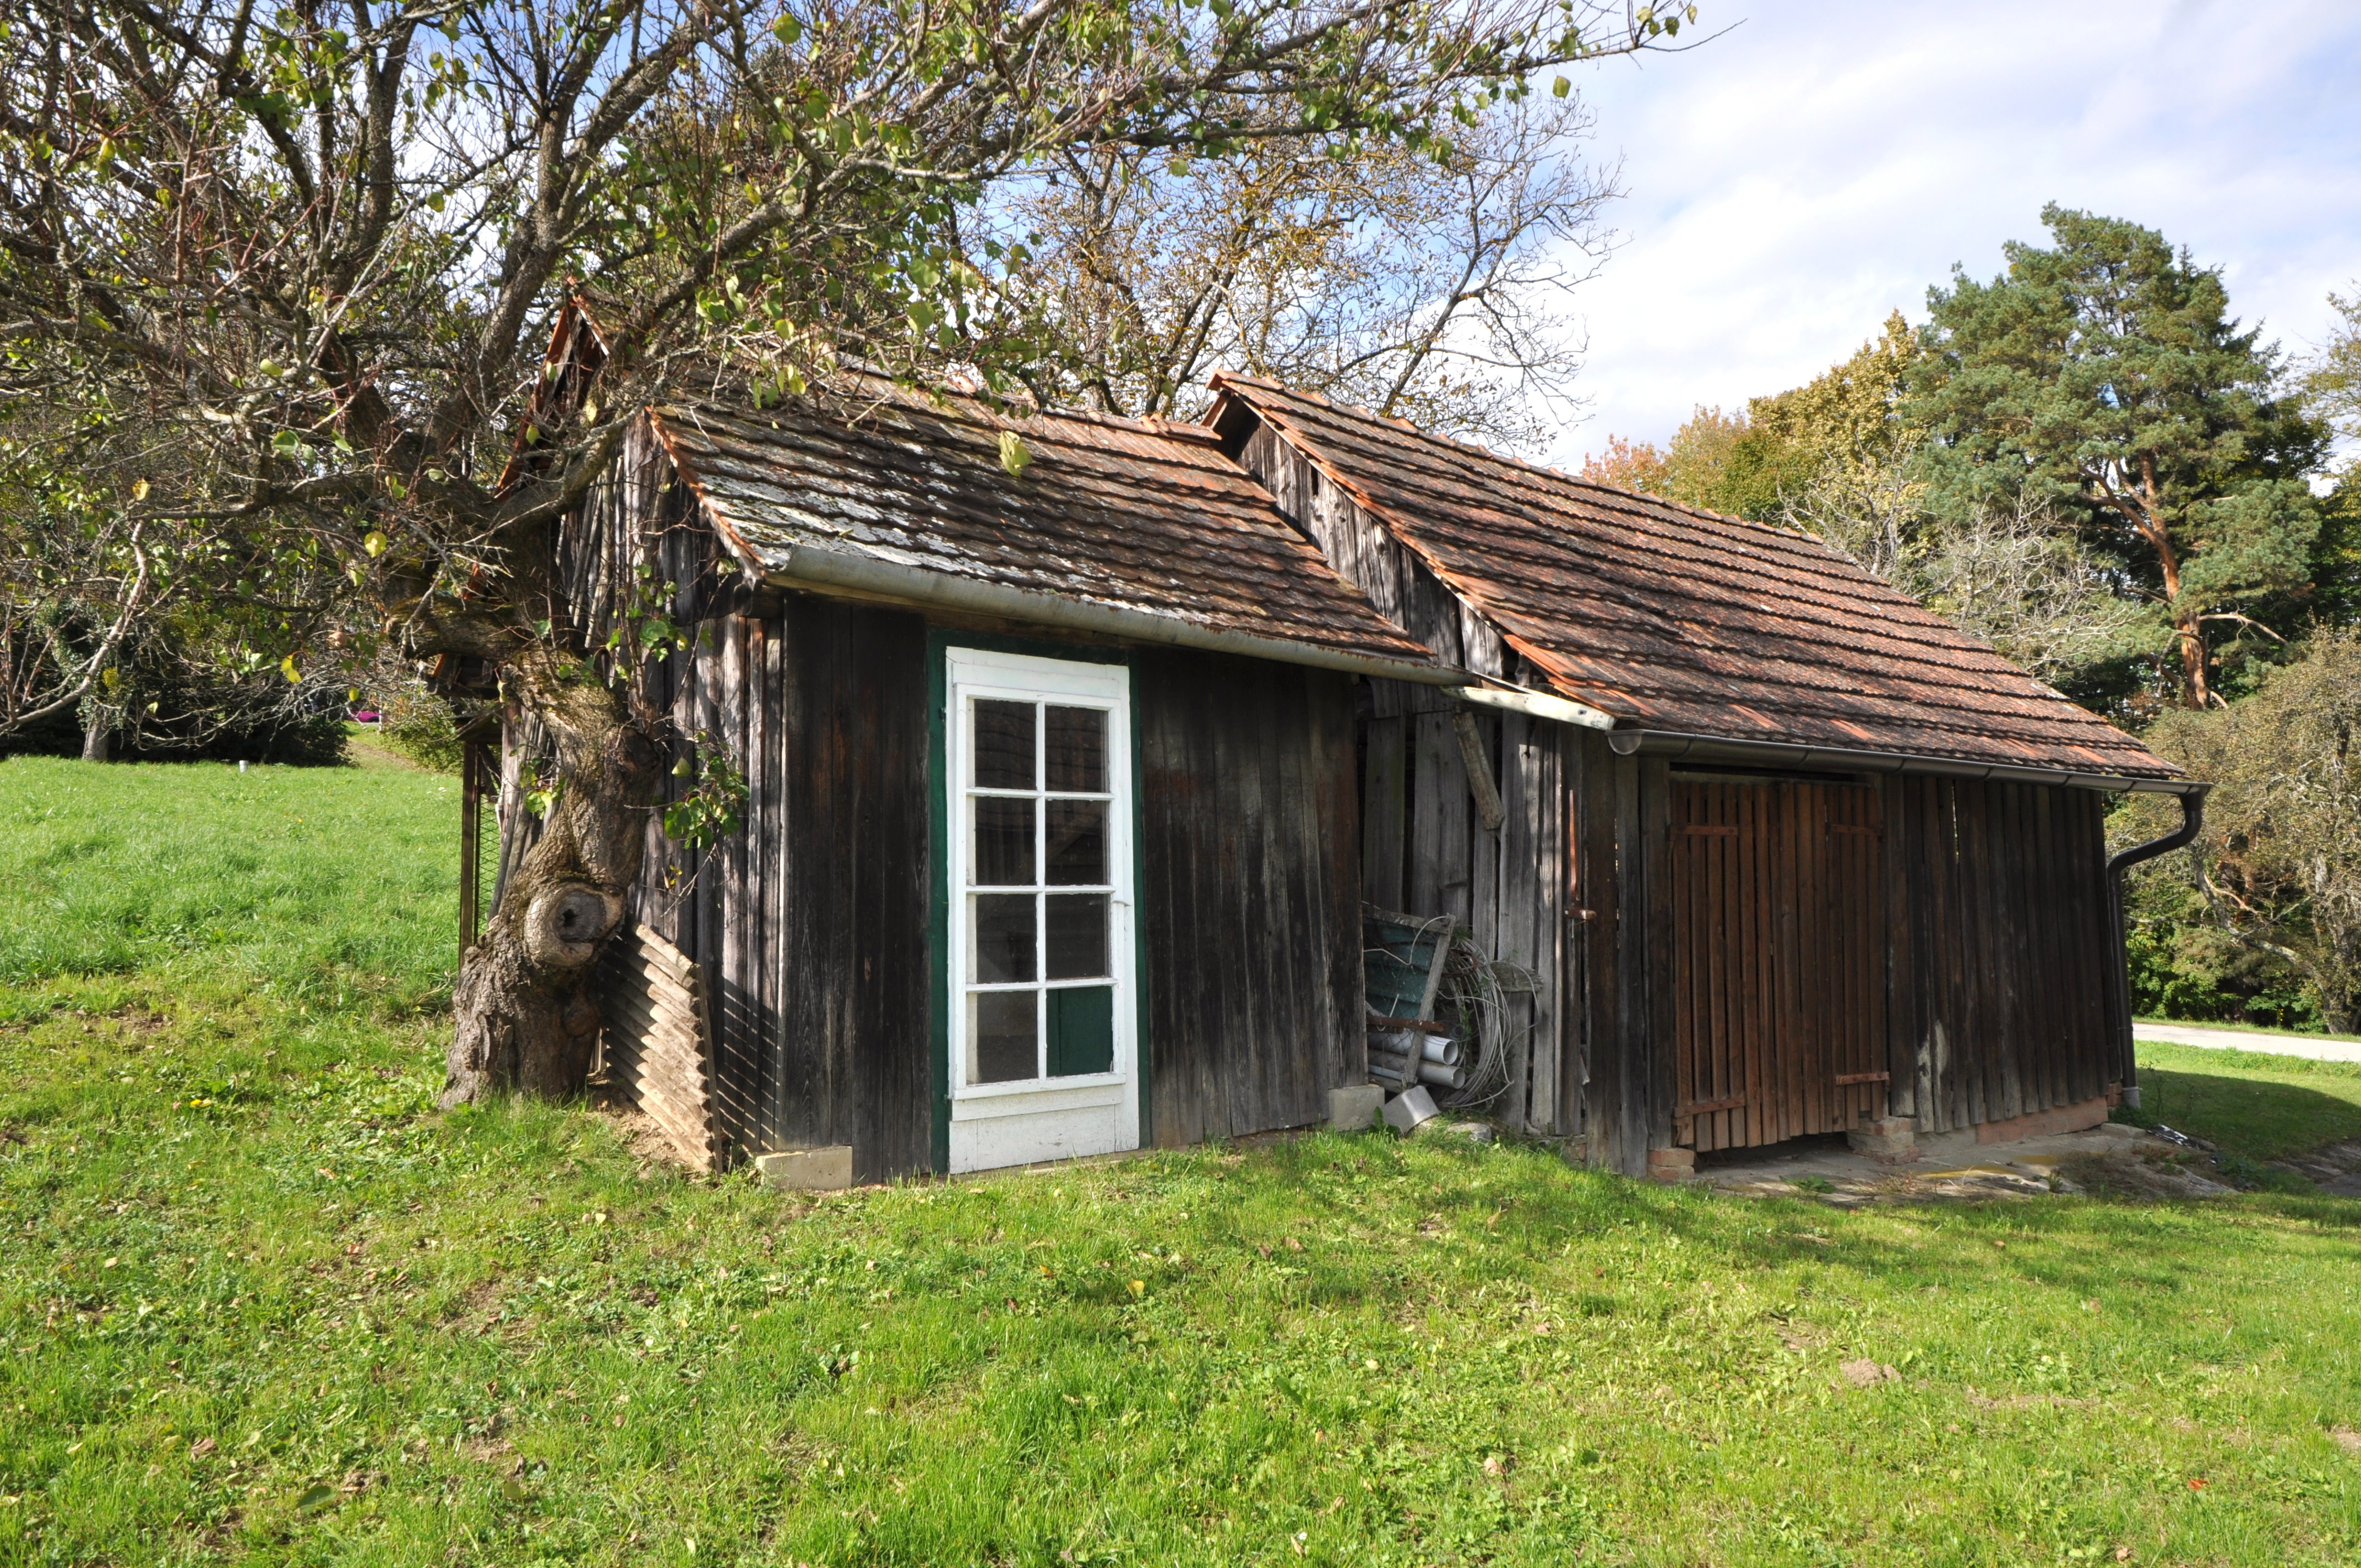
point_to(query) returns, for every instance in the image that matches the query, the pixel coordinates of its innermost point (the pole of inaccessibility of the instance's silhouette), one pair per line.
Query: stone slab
(806, 1170)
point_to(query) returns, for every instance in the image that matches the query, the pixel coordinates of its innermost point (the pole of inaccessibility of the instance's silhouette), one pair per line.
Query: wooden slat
(1519, 891)
(655, 1044)
(1441, 875)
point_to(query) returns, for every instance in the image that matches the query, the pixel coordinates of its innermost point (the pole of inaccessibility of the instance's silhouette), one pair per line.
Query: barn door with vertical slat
(1779, 961)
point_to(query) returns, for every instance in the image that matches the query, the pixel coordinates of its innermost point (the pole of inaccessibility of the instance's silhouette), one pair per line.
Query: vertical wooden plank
(1484, 845)
(1714, 933)
(1726, 964)
(1898, 946)
(2004, 961)
(1930, 935)
(1570, 932)
(1168, 783)
(1748, 971)
(1780, 910)
(1680, 1042)
(1384, 813)
(1520, 890)
(2001, 958)
(738, 1018)
(1250, 895)
(1552, 1111)
(1331, 805)
(2045, 1008)
(1655, 808)
(1624, 1048)
(1441, 878)
(1987, 1087)
(761, 976)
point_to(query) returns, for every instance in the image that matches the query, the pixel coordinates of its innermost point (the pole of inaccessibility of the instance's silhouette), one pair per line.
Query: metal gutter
(1770, 754)
(806, 567)
(2193, 822)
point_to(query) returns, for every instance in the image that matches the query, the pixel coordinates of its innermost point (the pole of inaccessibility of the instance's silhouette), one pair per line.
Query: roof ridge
(1676, 617)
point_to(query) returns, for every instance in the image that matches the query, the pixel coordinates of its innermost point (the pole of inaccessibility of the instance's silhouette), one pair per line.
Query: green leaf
(1561, 87)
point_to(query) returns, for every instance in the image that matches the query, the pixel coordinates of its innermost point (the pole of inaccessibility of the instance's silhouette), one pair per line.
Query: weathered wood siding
(2004, 954)
(810, 924)
(810, 927)
(813, 921)
(1779, 960)
(656, 1040)
(1728, 977)
(1249, 893)
(1424, 850)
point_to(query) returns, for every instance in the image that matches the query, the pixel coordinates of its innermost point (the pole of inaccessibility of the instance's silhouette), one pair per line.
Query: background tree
(1422, 283)
(2280, 863)
(2332, 382)
(317, 252)
(1693, 468)
(2103, 378)
(1838, 429)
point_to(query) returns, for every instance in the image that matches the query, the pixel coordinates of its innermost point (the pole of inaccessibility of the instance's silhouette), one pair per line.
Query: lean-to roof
(1141, 518)
(1675, 619)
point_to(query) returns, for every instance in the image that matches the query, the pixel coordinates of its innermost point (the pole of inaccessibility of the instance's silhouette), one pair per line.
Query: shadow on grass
(2257, 1116)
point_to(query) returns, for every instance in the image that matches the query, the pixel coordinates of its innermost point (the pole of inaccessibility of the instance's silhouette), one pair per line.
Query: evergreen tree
(2104, 377)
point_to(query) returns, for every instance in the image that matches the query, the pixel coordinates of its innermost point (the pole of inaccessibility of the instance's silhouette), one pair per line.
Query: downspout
(2193, 822)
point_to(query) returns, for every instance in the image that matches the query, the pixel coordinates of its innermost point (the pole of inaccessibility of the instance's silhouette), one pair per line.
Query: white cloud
(1823, 161)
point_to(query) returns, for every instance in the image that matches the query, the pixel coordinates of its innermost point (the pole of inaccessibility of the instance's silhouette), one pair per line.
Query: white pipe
(1440, 1050)
(1395, 1067)
(802, 566)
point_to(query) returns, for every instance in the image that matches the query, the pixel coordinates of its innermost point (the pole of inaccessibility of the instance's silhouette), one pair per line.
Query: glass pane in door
(1005, 1028)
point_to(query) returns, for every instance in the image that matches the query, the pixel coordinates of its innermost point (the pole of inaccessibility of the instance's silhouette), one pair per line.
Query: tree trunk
(525, 1013)
(2196, 685)
(98, 742)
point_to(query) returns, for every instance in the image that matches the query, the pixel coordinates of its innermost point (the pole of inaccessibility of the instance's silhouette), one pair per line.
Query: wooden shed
(1051, 845)
(1785, 853)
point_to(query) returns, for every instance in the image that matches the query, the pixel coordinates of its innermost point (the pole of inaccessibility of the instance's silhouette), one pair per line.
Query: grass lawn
(2251, 1104)
(258, 1302)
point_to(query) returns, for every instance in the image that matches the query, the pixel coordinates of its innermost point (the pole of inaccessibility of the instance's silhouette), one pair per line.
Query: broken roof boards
(948, 937)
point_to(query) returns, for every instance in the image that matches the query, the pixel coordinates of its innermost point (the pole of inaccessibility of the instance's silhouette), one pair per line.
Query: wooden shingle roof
(1146, 518)
(1670, 619)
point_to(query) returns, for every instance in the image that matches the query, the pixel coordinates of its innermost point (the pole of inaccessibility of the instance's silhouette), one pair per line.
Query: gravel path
(2311, 1046)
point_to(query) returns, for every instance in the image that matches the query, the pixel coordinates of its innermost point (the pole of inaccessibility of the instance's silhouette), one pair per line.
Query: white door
(1044, 1058)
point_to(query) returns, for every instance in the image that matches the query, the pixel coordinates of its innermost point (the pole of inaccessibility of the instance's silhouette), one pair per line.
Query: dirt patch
(2334, 1169)
(643, 1134)
(2145, 1171)
(2025, 1401)
(1867, 1374)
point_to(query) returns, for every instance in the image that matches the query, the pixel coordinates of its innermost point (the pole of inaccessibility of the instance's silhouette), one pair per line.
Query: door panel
(1778, 961)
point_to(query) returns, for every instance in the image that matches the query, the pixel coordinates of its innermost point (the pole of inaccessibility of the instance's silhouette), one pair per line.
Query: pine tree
(2105, 377)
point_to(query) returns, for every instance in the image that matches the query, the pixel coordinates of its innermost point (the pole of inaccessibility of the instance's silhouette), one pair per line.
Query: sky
(1821, 162)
